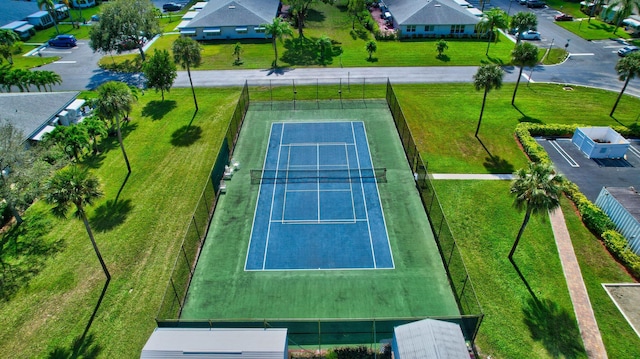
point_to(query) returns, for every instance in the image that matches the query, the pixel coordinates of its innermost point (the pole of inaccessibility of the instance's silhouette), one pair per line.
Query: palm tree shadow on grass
(492, 60)
(85, 348)
(495, 164)
(443, 58)
(158, 109)
(525, 117)
(186, 136)
(111, 214)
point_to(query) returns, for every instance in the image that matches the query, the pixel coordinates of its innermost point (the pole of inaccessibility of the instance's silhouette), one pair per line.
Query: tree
(51, 78)
(488, 77)
(160, 71)
(94, 127)
(627, 67)
(324, 46)
(8, 41)
(524, 54)
(299, 9)
(186, 53)
(12, 153)
(596, 6)
(237, 50)
(114, 100)
(75, 186)
(623, 9)
(537, 190)
(50, 6)
(73, 139)
(277, 30)
(124, 22)
(522, 22)
(371, 47)
(355, 8)
(493, 19)
(441, 45)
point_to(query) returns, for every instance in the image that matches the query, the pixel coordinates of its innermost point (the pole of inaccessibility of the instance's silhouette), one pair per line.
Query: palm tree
(371, 47)
(624, 9)
(114, 100)
(186, 53)
(537, 190)
(523, 21)
(8, 38)
(524, 54)
(73, 185)
(627, 67)
(50, 5)
(237, 50)
(492, 19)
(277, 30)
(51, 78)
(441, 45)
(95, 127)
(324, 45)
(488, 77)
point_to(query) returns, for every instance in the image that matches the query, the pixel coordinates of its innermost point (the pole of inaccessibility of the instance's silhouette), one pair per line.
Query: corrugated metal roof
(430, 338)
(629, 198)
(242, 343)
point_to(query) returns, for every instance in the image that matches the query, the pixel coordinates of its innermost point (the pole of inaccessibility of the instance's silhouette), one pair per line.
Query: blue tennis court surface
(318, 205)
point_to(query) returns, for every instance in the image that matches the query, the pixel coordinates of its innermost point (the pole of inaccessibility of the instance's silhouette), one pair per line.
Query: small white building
(622, 205)
(433, 18)
(216, 343)
(40, 19)
(429, 338)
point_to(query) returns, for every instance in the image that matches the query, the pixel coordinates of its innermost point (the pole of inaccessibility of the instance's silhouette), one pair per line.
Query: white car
(530, 35)
(627, 50)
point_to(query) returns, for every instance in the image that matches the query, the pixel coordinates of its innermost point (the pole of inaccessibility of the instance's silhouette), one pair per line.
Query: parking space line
(65, 62)
(563, 153)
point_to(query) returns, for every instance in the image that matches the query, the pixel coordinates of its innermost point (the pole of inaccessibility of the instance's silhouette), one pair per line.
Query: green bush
(592, 216)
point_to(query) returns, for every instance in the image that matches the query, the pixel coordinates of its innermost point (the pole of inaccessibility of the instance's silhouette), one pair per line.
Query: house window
(259, 29)
(429, 28)
(411, 28)
(457, 29)
(241, 30)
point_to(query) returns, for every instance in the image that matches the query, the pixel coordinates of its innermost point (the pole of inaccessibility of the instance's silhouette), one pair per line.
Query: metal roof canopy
(217, 343)
(429, 338)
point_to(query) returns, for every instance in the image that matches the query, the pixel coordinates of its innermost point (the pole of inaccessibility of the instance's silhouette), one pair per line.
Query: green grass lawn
(594, 29)
(445, 132)
(138, 234)
(527, 315)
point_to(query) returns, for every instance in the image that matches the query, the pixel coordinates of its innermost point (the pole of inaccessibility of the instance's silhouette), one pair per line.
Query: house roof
(429, 338)
(31, 111)
(430, 12)
(236, 13)
(216, 343)
(629, 198)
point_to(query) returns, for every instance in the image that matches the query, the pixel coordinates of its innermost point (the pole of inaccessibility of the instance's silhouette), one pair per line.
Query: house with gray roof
(432, 18)
(36, 113)
(231, 19)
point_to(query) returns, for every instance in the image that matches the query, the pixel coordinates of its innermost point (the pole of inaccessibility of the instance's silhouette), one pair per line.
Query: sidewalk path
(589, 330)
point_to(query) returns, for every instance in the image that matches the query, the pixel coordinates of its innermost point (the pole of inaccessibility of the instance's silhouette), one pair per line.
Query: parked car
(530, 35)
(171, 6)
(563, 17)
(522, 2)
(95, 17)
(535, 3)
(63, 41)
(627, 50)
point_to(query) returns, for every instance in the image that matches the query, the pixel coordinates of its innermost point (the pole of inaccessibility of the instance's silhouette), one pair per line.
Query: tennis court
(310, 181)
(318, 205)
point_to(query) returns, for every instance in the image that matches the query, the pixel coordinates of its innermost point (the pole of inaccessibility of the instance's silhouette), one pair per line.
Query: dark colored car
(63, 41)
(535, 3)
(171, 6)
(563, 17)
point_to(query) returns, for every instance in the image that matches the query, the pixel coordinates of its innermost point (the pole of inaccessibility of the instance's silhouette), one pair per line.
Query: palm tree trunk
(275, 49)
(15, 212)
(620, 96)
(489, 42)
(300, 23)
(124, 153)
(484, 101)
(524, 224)
(195, 101)
(513, 99)
(93, 242)
(141, 51)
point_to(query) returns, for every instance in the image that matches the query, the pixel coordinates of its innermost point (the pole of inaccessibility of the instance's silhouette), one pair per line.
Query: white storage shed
(429, 338)
(217, 343)
(622, 205)
(600, 142)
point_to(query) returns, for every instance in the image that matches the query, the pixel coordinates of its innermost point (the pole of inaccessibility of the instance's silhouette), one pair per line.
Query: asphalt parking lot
(593, 174)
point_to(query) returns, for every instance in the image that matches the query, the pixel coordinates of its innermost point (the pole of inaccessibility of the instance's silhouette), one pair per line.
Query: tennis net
(270, 176)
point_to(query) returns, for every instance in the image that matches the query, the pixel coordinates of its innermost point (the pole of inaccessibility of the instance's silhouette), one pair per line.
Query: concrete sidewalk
(587, 324)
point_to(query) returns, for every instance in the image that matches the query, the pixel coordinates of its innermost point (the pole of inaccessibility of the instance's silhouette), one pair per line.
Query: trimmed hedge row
(592, 216)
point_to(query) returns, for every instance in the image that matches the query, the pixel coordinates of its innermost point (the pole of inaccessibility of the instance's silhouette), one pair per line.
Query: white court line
(273, 195)
(563, 153)
(318, 173)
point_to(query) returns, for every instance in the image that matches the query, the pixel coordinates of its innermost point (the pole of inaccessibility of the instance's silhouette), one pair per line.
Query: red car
(563, 17)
